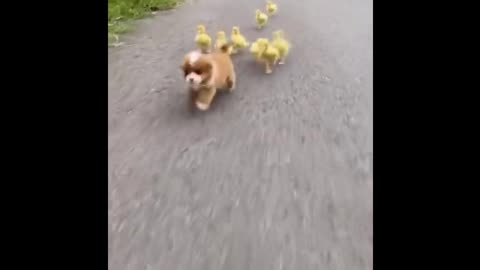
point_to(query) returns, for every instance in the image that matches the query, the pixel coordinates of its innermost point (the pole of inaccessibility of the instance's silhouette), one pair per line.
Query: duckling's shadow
(257, 30)
(255, 71)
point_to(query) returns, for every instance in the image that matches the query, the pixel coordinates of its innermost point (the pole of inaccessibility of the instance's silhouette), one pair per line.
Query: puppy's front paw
(202, 106)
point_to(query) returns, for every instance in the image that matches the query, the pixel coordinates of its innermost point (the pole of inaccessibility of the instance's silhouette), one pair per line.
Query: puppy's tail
(226, 48)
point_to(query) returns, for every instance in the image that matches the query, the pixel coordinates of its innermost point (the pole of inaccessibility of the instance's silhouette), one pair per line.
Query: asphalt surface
(277, 175)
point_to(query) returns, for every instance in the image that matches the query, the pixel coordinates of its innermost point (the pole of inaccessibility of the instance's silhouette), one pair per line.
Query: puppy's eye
(198, 71)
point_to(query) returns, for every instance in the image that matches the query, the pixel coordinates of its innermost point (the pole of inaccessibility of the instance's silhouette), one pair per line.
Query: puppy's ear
(182, 66)
(205, 66)
(208, 66)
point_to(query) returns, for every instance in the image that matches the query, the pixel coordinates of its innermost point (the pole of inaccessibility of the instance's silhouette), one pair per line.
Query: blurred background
(277, 175)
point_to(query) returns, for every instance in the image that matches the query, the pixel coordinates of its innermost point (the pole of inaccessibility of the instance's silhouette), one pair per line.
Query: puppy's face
(197, 70)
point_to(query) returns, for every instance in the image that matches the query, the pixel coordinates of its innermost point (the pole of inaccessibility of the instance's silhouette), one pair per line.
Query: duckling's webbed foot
(268, 68)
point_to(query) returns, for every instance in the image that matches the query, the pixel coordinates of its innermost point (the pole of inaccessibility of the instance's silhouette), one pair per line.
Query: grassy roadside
(122, 12)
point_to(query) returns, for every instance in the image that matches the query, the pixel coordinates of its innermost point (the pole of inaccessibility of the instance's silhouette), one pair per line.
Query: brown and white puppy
(205, 73)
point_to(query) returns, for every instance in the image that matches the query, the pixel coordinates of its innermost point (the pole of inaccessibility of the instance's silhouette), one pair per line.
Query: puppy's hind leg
(231, 82)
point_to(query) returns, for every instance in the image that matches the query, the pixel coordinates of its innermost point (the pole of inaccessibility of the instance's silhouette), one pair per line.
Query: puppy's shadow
(220, 104)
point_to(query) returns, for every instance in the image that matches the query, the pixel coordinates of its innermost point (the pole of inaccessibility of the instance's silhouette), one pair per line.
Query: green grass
(122, 12)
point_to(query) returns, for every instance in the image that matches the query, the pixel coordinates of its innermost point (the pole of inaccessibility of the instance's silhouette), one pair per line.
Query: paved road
(277, 175)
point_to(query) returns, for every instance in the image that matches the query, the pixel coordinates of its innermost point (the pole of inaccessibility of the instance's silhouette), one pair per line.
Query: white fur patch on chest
(193, 57)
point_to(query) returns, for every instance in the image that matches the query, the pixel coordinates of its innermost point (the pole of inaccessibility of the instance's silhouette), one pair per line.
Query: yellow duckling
(254, 50)
(271, 8)
(238, 40)
(282, 45)
(267, 53)
(221, 39)
(202, 39)
(261, 18)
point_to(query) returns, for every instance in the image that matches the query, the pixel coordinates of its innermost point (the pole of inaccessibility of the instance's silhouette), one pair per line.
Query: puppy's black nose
(191, 80)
